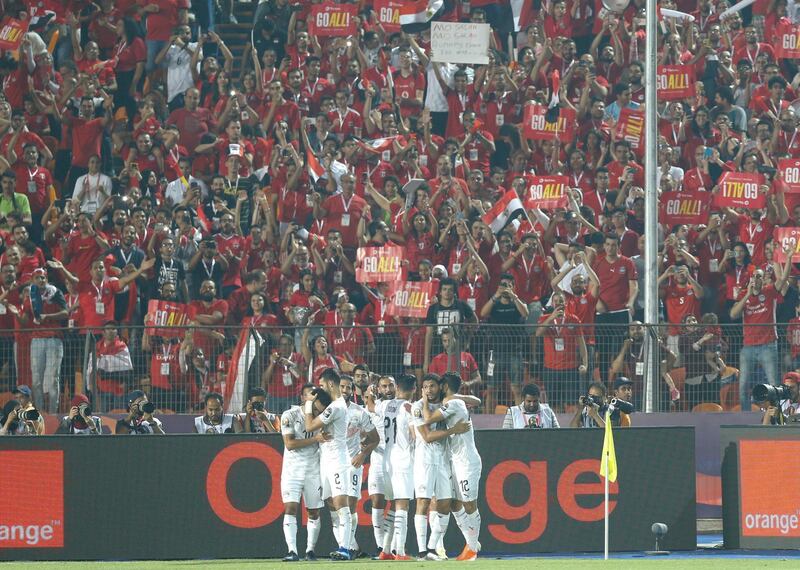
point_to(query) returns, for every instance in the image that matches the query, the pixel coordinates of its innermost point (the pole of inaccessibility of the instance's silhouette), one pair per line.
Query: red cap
(792, 377)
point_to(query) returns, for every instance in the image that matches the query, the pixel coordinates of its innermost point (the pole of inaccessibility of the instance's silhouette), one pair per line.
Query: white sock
(461, 521)
(388, 532)
(336, 527)
(438, 528)
(377, 526)
(314, 526)
(353, 527)
(345, 526)
(290, 532)
(421, 526)
(473, 530)
(444, 522)
(400, 531)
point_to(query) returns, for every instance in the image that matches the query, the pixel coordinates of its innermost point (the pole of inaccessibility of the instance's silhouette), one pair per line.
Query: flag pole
(605, 461)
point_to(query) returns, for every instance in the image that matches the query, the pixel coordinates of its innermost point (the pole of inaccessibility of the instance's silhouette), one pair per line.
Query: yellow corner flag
(608, 461)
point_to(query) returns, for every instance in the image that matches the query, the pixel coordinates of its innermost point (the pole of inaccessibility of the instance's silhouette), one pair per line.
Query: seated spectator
(530, 414)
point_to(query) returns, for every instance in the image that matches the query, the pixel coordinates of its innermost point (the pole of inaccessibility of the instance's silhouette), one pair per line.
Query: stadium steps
(237, 36)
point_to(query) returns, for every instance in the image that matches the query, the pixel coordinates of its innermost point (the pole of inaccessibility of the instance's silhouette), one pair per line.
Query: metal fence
(700, 365)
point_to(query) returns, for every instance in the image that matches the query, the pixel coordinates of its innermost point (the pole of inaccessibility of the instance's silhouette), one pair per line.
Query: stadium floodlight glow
(660, 530)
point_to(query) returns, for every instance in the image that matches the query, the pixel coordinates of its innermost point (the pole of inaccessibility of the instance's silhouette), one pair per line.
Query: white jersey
(225, 426)
(462, 445)
(429, 453)
(293, 422)
(397, 432)
(359, 421)
(377, 421)
(333, 453)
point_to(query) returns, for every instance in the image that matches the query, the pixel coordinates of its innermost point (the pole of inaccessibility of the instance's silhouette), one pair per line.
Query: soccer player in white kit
(375, 481)
(334, 459)
(465, 461)
(362, 439)
(300, 475)
(397, 463)
(431, 469)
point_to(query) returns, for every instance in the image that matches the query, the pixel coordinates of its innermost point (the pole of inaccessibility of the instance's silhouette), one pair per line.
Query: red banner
(684, 208)
(537, 127)
(675, 82)
(789, 172)
(740, 190)
(547, 192)
(173, 316)
(411, 299)
(787, 41)
(388, 12)
(783, 238)
(329, 19)
(630, 127)
(11, 33)
(379, 264)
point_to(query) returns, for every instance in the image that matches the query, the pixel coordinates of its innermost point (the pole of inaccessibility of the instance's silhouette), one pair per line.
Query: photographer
(28, 419)
(591, 408)
(620, 403)
(783, 402)
(80, 420)
(255, 419)
(140, 420)
(215, 421)
(530, 413)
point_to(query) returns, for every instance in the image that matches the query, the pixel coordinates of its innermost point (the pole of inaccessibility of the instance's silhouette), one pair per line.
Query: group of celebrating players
(419, 450)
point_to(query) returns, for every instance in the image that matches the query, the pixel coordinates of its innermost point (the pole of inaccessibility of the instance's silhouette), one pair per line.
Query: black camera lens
(148, 407)
(29, 415)
(258, 406)
(771, 394)
(85, 410)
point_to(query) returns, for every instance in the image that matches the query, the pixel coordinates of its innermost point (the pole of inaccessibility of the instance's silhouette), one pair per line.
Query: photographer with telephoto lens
(782, 402)
(140, 419)
(21, 418)
(255, 418)
(80, 420)
(591, 408)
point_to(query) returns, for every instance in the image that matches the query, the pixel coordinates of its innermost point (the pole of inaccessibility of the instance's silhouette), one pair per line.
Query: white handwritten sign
(460, 43)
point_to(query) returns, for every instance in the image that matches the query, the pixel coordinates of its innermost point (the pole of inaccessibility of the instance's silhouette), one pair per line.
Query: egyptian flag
(522, 11)
(377, 146)
(416, 15)
(554, 108)
(243, 363)
(315, 169)
(505, 210)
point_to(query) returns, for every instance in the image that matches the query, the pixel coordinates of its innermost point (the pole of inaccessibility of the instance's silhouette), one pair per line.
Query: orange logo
(32, 499)
(766, 512)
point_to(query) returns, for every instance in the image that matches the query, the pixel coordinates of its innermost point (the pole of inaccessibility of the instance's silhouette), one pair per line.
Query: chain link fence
(701, 365)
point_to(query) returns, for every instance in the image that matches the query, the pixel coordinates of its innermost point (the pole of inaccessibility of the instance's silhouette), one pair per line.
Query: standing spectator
(114, 368)
(177, 54)
(450, 312)
(454, 360)
(283, 376)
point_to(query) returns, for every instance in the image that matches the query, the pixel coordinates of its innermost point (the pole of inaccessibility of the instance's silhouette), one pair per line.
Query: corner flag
(608, 461)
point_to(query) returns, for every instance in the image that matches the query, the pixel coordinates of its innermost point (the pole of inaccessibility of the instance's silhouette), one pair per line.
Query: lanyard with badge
(639, 361)
(407, 353)
(166, 349)
(99, 306)
(558, 341)
(713, 263)
(737, 288)
(346, 212)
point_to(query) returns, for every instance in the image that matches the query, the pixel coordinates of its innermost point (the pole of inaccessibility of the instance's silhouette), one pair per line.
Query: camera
(84, 410)
(771, 394)
(589, 400)
(258, 406)
(146, 407)
(29, 415)
(622, 406)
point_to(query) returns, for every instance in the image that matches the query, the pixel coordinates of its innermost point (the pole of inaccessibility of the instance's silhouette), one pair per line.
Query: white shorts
(335, 481)
(432, 481)
(375, 478)
(355, 481)
(400, 483)
(309, 487)
(466, 482)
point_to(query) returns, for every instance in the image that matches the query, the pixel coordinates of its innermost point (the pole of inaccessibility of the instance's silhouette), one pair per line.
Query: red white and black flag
(243, 359)
(416, 15)
(504, 211)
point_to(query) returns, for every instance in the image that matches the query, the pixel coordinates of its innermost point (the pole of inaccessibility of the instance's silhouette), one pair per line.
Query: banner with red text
(537, 128)
(786, 237)
(630, 127)
(787, 41)
(410, 298)
(675, 82)
(684, 208)
(11, 33)
(379, 264)
(173, 317)
(740, 190)
(388, 12)
(789, 172)
(547, 192)
(329, 19)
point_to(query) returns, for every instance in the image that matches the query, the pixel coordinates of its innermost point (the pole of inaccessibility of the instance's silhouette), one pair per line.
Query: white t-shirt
(179, 70)
(397, 432)
(293, 423)
(93, 187)
(333, 453)
(462, 445)
(359, 421)
(225, 426)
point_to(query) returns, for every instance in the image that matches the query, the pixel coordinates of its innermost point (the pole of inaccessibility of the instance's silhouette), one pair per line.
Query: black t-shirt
(505, 338)
(453, 315)
(204, 271)
(169, 272)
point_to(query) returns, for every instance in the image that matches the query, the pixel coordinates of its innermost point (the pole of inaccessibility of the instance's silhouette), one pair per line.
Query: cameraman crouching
(255, 419)
(783, 402)
(591, 407)
(140, 420)
(80, 420)
(19, 416)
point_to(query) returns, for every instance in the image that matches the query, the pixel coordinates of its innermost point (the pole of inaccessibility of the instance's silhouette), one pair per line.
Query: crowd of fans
(141, 160)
